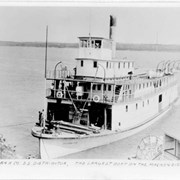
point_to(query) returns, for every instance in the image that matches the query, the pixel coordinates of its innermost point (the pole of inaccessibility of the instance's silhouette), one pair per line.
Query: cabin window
(129, 92)
(147, 84)
(143, 85)
(94, 87)
(126, 108)
(128, 64)
(124, 64)
(148, 101)
(99, 87)
(119, 65)
(160, 83)
(104, 87)
(82, 63)
(106, 64)
(139, 86)
(95, 64)
(109, 88)
(109, 65)
(136, 106)
(143, 103)
(160, 98)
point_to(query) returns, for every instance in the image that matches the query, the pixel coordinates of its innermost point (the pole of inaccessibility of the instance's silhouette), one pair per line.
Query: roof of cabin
(98, 38)
(112, 60)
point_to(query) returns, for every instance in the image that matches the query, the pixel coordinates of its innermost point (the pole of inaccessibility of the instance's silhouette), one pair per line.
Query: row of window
(94, 64)
(126, 87)
(147, 84)
(99, 87)
(111, 65)
(91, 43)
(143, 103)
(120, 65)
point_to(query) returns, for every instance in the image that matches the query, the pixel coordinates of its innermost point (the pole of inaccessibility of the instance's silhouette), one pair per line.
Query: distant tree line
(119, 46)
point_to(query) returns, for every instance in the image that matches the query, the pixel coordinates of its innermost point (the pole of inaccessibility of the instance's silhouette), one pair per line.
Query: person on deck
(42, 118)
(52, 89)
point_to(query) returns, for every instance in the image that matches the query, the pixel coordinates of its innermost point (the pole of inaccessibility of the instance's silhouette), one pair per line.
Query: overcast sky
(134, 25)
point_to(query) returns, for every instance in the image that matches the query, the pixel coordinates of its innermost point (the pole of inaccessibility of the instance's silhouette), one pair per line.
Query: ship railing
(83, 96)
(58, 74)
(90, 96)
(102, 97)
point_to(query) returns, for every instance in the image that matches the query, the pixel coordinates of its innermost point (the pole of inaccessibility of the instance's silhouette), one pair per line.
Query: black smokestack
(112, 26)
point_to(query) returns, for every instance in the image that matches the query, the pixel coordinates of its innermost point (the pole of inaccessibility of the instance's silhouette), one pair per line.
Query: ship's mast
(45, 75)
(45, 72)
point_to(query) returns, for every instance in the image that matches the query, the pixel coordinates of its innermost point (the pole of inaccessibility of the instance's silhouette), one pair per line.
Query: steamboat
(103, 101)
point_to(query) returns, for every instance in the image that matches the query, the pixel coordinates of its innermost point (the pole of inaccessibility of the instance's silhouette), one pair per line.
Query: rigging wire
(19, 124)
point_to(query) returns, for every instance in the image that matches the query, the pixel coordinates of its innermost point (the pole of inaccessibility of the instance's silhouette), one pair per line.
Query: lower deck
(118, 116)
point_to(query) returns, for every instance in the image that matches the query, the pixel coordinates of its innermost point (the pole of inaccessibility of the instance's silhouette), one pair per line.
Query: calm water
(22, 93)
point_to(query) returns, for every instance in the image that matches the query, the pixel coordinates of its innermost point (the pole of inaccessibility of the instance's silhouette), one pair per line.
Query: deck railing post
(91, 91)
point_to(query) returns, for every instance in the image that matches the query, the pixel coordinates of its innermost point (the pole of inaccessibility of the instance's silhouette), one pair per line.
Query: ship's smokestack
(112, 34)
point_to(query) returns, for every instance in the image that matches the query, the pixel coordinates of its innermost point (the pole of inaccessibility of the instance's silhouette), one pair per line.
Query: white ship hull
(57, 147)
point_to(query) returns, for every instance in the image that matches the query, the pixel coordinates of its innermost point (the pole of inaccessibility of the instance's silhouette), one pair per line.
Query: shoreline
(119, 46)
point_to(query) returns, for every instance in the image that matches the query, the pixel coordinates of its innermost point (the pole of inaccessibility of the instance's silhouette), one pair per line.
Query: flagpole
(45, 73)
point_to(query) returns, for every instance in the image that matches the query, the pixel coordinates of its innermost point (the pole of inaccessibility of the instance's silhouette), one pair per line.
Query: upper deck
(108, 90)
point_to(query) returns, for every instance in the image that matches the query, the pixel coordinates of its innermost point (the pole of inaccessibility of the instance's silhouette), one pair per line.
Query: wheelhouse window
(95, 64)
(82, 63)
(94, 87)
(97, 43)
(83, 43)
(106, 64)
(109, 88)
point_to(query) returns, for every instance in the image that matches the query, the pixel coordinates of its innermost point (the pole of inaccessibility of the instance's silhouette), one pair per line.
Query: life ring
(96, 98)
(59, 94)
